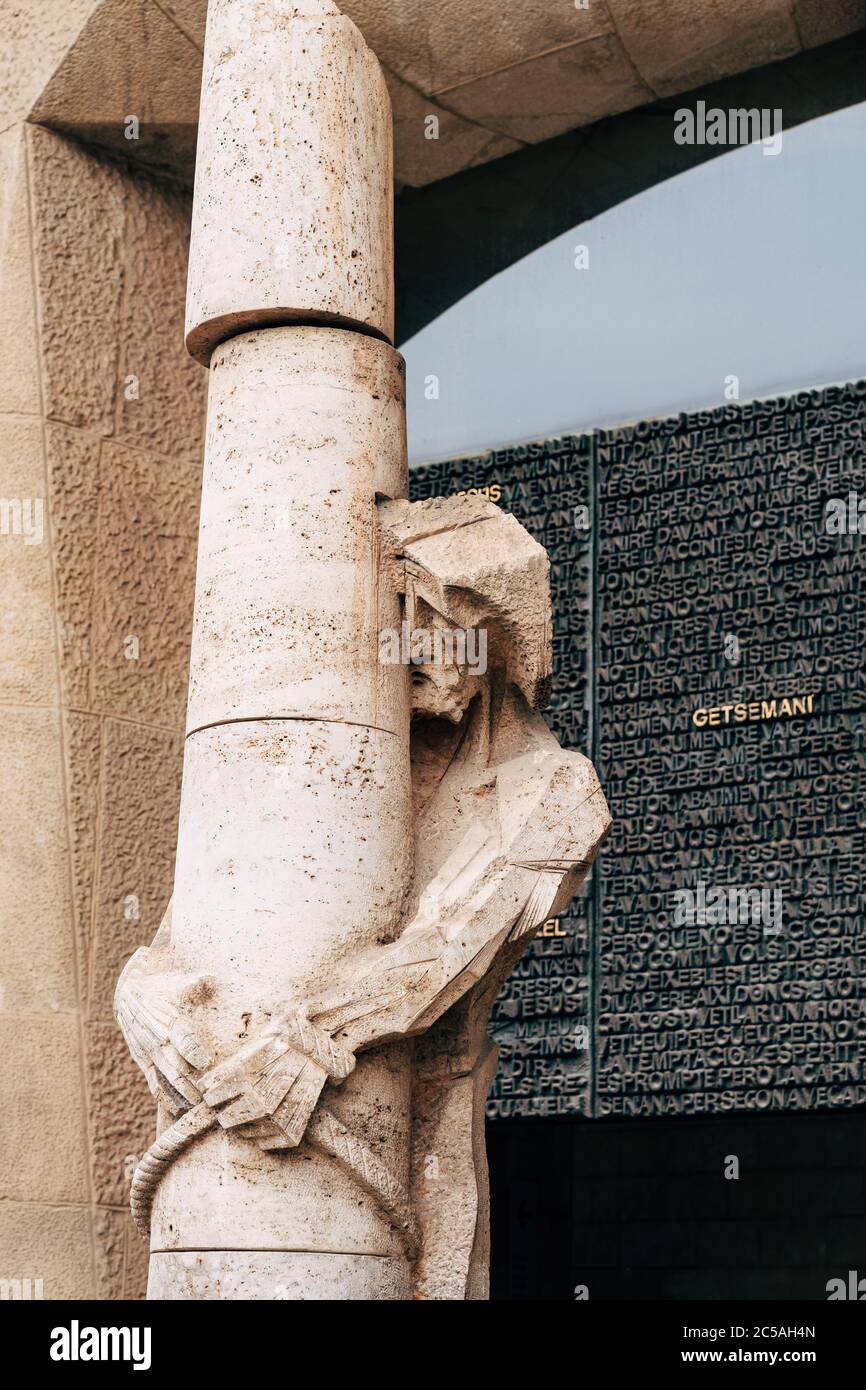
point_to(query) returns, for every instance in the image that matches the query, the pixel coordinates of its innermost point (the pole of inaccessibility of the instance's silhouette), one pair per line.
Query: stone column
(294, 844)
(312, 1011)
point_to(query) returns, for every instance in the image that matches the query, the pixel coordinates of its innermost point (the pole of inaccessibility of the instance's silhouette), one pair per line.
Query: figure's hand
(149, 1006)
(269, 1088)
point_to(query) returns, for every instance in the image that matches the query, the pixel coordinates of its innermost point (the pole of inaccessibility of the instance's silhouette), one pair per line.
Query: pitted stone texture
(73, 491)
(52, 1243)
(78, 216)
(38, 972)
(292, 216)
(110, 264)
(676, 45)
(124, 513)
(137, 1260)
(43, 1145)
(306, 427)
(19, 352)
(163, 408)
(145, 577)
(86, 798)
(82, 739)
(270, 1274)
(138, 818)
(121, 1115)
(121, 1255)
(109, 1237)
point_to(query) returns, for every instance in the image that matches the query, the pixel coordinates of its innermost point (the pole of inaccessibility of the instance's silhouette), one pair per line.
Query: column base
(265, 1275)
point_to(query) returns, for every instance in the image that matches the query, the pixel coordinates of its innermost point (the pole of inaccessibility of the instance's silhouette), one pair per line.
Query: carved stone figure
(374, 816)
(506, 825)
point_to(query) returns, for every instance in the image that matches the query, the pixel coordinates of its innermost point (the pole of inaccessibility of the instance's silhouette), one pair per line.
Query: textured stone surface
(38, 972)
(37, 34)
(106, 59)
(29, 672)
(121, 1255)
(89, 799)
(82, 740)
(144, 584)
(101, 81)
(43, 1144)
(78, 222)
(437, 47)
(110, 267)
(306, 426)
(145, 57)
(73, 503)
(190, 16)
(109, 1238)
(163, 409)
(312, 1277)
(19, 354)
(821, 21)
(295, 185)
(449, 1182)
(536, 100)
(51, 1243)
(459, 143)
(137, 1260)
(138, 820)
(121, 1117)
(676, 45)
(130, 59)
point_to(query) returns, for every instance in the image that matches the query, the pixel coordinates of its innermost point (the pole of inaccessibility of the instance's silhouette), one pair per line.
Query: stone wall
(101, 418)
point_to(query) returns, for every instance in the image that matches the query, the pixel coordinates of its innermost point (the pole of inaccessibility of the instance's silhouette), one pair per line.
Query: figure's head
(449, 664)
(477, 602)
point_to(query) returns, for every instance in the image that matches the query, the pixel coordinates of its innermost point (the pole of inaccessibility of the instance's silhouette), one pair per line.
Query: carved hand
(269, 1088)
(149, 1006)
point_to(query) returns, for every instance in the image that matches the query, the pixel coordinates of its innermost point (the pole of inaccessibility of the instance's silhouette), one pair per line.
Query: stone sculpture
(366, 844)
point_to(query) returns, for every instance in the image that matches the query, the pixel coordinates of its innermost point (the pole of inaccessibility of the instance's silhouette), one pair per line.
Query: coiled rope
(324, 1132)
